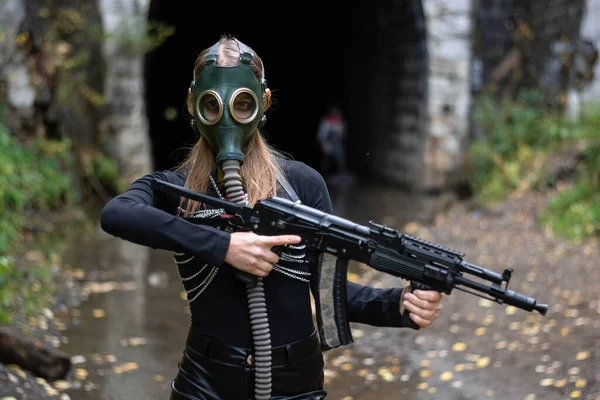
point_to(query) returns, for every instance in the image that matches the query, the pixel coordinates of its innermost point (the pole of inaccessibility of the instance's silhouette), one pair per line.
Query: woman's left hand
(424, 305)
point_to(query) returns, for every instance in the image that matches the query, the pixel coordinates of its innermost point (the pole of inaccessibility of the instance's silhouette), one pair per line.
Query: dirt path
(478, 349)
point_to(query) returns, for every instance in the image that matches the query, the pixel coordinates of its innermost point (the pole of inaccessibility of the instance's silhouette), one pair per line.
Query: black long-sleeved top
(140, 216)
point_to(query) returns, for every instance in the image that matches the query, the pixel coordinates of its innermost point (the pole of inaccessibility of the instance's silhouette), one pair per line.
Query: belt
(198, 343)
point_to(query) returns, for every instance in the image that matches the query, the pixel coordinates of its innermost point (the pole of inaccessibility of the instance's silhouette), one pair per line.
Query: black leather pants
(211, 370)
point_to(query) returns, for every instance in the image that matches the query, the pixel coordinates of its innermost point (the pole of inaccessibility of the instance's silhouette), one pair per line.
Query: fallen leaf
(346, 367)
(446, 376)
(459, 346)
(580, 383)
(483, 362)
(560, 383)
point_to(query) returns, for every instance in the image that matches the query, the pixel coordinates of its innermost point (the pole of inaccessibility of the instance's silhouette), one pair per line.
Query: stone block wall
(590, 30)
(449, 25)
(126, 121)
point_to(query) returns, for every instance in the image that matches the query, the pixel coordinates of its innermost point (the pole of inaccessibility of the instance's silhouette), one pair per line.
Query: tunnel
(370, 60)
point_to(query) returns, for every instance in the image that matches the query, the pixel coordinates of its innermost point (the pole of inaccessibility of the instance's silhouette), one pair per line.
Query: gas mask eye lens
(209, 107)
(243, 106)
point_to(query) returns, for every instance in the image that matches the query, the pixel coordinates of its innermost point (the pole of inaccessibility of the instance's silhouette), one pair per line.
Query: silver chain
(285, 271)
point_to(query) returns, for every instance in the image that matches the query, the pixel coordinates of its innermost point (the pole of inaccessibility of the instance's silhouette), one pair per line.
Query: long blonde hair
(260, 168)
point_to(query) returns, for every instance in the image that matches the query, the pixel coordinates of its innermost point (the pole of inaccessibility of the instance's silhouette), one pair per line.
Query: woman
(231, 160)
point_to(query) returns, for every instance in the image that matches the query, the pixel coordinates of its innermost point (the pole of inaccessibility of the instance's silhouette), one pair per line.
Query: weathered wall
(52, 72)
(590, 30)
(124, 22)
(448, 25)
(16, 88)
(387, 92)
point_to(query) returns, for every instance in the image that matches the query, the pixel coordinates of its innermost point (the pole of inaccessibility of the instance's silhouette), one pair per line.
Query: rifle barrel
(501, 296)
(170, 188)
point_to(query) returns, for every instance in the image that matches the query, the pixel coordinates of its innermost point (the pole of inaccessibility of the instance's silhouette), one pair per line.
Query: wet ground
(127, 337)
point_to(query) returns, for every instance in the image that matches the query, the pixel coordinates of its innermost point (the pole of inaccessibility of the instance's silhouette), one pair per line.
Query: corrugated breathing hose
(257, 304)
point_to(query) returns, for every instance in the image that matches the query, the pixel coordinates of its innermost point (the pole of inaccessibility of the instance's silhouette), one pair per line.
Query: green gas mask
(227, 104)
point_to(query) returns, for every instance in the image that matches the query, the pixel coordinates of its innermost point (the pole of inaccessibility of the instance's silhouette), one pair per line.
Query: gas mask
(227, 104)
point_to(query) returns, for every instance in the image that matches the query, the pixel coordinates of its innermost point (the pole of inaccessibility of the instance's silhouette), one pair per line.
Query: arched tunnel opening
(371, 61)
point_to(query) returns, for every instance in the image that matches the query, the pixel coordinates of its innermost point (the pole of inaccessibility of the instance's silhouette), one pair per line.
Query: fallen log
(33, 355)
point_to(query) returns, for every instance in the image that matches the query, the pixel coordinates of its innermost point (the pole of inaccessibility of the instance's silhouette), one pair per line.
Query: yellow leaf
(480, 331)
(130, 366)
(547, 382)
(501, 345)
(136, 341)
(560, 383)
(483, 362)
(61, 385)
(425, 373)
(81, 373)
(485, 303)
(16, 369)
(510, 310)
(580, 383)
(446, 376)
(575, 394)
(158, 378)
(459, 346)
(346, 367)
(582, 355)
(98, 313)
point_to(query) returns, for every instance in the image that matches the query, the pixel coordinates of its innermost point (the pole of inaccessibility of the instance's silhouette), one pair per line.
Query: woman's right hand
(252, 253)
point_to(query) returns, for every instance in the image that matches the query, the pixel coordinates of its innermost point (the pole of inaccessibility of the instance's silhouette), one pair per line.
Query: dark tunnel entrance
(369, 60)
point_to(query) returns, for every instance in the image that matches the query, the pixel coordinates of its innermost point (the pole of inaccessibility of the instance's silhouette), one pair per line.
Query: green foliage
(135, 40)
(24, 290)
(521, 138)
(32, 177)
(97, 167)
(575, 211)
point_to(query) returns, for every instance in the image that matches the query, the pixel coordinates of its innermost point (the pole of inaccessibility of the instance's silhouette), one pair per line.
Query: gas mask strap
(245, 50)
(210, 57)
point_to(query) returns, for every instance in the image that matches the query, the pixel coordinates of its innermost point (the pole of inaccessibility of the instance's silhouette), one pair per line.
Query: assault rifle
(428, 266)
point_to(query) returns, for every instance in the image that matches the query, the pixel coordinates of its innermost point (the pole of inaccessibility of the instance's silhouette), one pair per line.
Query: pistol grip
(406, 315)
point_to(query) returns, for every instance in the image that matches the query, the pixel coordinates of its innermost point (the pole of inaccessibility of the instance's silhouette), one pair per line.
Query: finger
(422, 322)
(281, 240)
(412, 298)
(266, 267)
(428, 295)
(271, 257)
(423, 313)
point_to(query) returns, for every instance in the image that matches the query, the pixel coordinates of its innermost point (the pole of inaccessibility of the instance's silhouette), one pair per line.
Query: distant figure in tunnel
(331, 136)
(252, 334)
